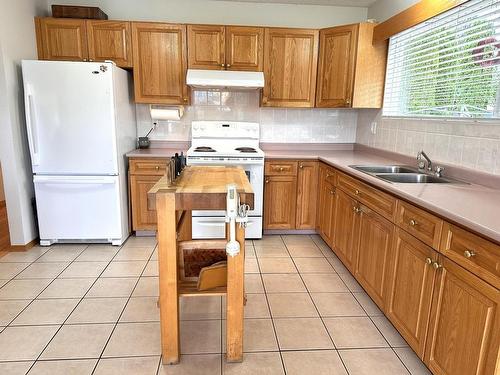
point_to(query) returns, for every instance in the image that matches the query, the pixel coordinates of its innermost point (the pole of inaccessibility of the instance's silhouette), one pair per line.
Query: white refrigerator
(80, 120)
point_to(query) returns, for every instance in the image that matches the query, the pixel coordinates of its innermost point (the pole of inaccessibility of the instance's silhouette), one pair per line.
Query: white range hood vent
(224, 79)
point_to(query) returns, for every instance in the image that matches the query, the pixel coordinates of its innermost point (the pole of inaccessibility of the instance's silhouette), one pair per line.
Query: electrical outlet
(373, 127)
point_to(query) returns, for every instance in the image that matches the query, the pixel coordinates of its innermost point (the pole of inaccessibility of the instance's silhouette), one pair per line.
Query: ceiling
(352, 3)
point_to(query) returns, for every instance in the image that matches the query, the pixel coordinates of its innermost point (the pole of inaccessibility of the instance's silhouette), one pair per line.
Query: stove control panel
(224, 129)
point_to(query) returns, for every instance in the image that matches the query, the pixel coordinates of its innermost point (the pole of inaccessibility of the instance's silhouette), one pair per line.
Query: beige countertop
(154, 152)
(473, 206)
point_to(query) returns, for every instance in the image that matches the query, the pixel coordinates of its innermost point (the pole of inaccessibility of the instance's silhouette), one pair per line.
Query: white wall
(384, 9)
(227, 12)
(17, 42)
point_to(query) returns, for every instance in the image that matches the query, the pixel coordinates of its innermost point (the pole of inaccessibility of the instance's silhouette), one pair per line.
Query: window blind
(448, 66)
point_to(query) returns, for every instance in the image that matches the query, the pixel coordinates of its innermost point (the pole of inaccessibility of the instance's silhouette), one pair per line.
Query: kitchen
(363, 254)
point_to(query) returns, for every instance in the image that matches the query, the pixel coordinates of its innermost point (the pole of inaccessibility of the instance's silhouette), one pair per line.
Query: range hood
(224, 79)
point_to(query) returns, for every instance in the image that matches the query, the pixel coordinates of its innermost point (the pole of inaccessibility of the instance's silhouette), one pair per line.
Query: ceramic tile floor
(78, 309)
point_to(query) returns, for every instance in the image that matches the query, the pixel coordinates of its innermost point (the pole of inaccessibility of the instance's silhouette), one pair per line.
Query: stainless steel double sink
(402, 174)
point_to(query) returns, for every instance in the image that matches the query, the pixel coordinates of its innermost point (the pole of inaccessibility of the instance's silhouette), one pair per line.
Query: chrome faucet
(421, 163)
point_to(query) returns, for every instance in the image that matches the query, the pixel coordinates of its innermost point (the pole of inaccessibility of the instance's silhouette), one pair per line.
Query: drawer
(280, 168)
(474, 253)
(378, 201)
(419, 223)
(150, 167)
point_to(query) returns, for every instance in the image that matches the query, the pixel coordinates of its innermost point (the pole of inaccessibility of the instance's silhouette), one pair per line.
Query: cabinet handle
(157, 168)
(228, 65)
(436, 265)
(267, 181)
(428, 261)
(185, 100)
(413, 222)
(91, 60)
(356, 210)
(469, 253)
(328, 175)
(332, 192)
(301, 166)
(356, 192)
(348, 101)
(281, 169)
(223, 65)
(84, 59)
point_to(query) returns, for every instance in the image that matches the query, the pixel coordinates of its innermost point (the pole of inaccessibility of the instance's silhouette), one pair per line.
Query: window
(448, 66)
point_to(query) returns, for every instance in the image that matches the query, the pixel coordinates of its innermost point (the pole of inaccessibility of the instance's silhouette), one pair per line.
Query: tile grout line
(124, 306)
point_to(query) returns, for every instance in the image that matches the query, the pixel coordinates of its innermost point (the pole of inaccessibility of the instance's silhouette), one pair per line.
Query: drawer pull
(301, 166)
(469, 253)
(157, 168)
(428, 261)
(356, 192)
(436, 265)
(356, 210)
(281, 169)
(332, 192)
(267, 180)
(413, 222)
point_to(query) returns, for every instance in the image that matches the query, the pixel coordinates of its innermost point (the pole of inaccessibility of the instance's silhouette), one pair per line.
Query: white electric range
(228, 143)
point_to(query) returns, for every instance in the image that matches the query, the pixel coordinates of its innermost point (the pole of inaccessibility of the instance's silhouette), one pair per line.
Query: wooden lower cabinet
(307, 195)
(280, 201)
(411, 281)
(374, 247)
(346, 229)
(142, 217)
(464, 333)
(327, 212)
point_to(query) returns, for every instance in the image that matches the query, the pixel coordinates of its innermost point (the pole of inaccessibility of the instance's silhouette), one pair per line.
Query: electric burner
(204, 149)
(245, 149)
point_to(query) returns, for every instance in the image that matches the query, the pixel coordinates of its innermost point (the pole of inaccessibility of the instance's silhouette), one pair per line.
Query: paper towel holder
(165, 113)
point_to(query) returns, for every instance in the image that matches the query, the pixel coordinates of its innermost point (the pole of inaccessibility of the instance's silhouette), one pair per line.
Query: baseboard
(289, 231)
(28, 246)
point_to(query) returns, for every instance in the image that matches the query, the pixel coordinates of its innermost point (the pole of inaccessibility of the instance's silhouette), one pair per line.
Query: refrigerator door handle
(31, 126)
(72, 180)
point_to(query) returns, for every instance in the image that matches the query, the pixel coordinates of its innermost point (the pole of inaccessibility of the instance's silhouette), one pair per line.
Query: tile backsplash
(471, 144)
(278, 125)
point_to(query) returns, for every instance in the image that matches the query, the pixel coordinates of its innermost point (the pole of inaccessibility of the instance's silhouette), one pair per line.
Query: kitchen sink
(384, 168)
(413, 178)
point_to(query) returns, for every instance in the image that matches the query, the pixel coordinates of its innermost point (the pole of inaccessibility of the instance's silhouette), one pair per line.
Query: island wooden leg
(167, 264)
(235, 295)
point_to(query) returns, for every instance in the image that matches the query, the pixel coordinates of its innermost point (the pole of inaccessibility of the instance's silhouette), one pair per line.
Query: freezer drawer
(215, 227)
(78, 208)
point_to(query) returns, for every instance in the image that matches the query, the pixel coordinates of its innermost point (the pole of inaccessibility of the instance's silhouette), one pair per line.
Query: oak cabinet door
(290, 64)
(327, 212)
(142, 217)
(464, 332)
(346, 229)
(206, 47)
(411, 280)
(373, 253)
(61, 39)
(280, 198)
(307, 195)
(337, 61)
(160, 63)
(110, 40)
(244, 48)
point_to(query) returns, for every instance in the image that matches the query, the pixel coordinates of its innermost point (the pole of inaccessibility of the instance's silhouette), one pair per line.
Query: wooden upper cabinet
(206, 47)
(110, 40)
(244, 48)
(160, 63)
(61, 39)
(464, 332)
(351, 69)
(410, 285)
(307, 195)
(290, 64)
(337, 56)
(373, 253)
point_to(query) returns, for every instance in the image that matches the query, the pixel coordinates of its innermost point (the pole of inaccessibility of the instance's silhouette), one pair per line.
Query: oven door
(215, 227)
(255, 174)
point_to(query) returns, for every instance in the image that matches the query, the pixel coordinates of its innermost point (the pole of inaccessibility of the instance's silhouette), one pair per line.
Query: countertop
(473, 206)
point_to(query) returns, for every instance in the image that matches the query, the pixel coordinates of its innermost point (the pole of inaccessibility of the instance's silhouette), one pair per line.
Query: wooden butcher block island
(197, 188)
